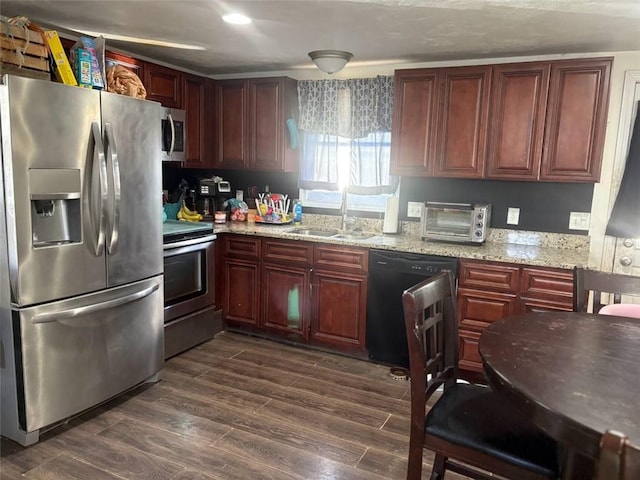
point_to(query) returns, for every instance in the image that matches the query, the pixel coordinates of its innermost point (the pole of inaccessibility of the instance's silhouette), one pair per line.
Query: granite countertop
(530, 248)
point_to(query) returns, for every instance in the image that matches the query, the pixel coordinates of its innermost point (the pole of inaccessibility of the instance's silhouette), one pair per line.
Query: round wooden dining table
(576, 375)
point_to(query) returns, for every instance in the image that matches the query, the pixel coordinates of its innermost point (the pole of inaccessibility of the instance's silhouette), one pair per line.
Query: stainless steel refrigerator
(81, 298)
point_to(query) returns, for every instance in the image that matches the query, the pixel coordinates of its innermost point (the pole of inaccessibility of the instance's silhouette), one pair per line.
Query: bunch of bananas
(187, 215)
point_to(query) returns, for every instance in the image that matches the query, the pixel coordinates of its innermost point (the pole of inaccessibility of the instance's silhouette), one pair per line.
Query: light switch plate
(579, 220)
(513, 216)
(414, 209)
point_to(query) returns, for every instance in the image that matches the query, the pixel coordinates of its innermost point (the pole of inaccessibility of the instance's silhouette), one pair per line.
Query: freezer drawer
(76, 353)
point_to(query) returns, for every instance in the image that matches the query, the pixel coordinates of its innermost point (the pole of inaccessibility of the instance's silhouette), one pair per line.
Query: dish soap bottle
(297, 212)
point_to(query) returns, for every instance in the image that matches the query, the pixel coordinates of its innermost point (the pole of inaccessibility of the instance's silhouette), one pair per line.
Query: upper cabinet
(163, 85)
(193, 95)
(440, 121)
(415, 110)
(230, 124)
(527, 121)
(462, 122)
(518, 102)
(250, 124)
(576, 120)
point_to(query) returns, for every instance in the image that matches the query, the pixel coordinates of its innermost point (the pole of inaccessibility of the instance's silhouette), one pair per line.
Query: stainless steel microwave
(174, 135)
(455, 222)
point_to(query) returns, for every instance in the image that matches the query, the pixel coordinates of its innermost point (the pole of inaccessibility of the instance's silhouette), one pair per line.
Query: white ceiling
(377, 32)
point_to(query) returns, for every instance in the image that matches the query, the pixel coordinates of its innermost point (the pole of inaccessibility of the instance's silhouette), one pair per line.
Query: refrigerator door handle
(112, 161)
(51, 317)
(173, 134)
(101, 164)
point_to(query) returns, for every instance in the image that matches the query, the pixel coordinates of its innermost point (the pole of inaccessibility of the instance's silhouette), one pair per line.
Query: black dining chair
(619, 459)
(472, 430)
(593, 284)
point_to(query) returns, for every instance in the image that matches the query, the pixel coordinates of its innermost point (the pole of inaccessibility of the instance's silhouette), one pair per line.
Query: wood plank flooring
(236, 407)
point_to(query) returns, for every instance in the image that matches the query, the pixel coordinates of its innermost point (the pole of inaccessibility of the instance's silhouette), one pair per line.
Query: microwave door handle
(112, 160)
(173, 134)
(51, 317)
(99, 164)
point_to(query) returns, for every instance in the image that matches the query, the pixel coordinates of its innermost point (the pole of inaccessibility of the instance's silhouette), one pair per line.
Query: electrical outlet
(414, 209)
(513, 216)
(579, 220)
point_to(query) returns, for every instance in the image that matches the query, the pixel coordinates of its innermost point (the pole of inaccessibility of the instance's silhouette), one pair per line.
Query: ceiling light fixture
(236, 19)
(330, 61)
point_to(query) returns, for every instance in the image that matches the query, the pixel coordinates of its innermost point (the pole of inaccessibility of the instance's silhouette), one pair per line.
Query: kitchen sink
(353, 236)
(314, 232)
(335, 234)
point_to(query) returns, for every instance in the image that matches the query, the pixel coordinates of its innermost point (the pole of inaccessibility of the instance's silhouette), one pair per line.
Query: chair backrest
(432, 335)
(592, 281)
(619, 459)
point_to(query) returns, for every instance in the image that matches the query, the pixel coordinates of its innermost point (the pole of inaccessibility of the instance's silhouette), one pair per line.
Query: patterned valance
(352, 108)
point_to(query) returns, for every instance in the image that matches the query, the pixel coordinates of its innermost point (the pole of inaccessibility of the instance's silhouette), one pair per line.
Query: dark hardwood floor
(236, 407)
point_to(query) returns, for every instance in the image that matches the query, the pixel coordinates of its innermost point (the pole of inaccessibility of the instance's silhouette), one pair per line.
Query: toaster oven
(455, 222)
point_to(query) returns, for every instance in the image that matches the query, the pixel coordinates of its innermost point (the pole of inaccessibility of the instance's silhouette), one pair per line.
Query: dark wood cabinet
(286, 288)
(576, 120)
(241, 266)
(527, 121)
(339, 298)
(163, 85)
(176, 89)
(440, 121)
(462, 122)
(518, 103)
(490, 291)
(415, 110)
(339, 310)
(299, 291)
(250, 124)
(193, 95)
(271, 102)
(231, 124)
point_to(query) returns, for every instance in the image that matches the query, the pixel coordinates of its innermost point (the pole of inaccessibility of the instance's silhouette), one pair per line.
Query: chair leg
(437, 473)
(416, 448)
(414, 464)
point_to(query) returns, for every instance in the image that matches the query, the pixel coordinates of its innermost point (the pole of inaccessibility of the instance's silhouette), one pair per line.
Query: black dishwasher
(390, 274)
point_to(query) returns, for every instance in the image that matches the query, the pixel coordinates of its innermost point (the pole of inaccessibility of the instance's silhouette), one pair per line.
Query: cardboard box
(63, 68)
(96, 73)
(81, 64)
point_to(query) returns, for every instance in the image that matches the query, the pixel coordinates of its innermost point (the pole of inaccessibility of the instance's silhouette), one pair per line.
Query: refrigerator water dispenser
(56, 216)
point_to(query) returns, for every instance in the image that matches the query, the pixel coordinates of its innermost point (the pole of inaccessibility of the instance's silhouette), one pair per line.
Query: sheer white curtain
(346, 135)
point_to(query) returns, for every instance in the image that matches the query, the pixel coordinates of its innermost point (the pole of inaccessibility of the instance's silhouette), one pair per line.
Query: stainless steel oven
(189, 293)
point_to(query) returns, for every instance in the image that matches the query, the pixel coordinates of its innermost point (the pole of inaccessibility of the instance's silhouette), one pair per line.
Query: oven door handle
(188, 246)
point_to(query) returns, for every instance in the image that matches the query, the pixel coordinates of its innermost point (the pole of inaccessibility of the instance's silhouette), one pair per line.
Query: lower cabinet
(490, 291)
(241, 280)
(339, 297)
(299, 291)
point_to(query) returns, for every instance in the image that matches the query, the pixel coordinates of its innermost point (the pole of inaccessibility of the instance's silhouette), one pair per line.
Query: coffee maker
(211, 195)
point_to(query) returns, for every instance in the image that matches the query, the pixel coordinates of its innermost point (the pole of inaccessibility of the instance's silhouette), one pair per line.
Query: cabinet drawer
(538, 305)
(492, 276)
(294, 253)
(477, 309)
(547, 284)
(346, 259)
(240, 246)
(469, 353)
